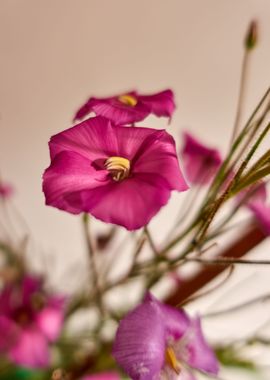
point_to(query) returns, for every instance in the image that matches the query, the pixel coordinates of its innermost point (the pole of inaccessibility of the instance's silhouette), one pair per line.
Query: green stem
(151, 241)
(242, 92)
(92, 260)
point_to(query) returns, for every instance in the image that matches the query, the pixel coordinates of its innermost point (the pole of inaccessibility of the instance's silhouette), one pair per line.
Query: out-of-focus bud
(104, 239)
(252, 35)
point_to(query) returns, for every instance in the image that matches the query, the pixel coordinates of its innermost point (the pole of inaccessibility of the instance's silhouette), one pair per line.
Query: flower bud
(251, 36)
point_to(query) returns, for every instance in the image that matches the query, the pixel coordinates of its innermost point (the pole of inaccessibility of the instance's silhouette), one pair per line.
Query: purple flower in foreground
(119, 175)
(103, 376)
(200, 162)
(156, 341)
(29, 321)
(130, 107)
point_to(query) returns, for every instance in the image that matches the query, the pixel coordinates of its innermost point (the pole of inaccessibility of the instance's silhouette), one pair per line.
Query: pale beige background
(56, 53)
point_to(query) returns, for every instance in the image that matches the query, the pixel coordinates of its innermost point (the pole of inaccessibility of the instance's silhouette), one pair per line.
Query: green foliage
(228, 357)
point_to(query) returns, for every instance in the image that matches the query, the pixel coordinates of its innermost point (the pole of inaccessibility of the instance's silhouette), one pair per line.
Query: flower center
(128, 100)
(119, 167)
(171, 360)
(22, 316)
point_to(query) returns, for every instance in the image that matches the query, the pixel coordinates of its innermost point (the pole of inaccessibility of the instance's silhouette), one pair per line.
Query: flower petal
(31, 349)
(158, 155)
(200, 162)
(169, 374)
(9, 333)
(262, 214)
(131, 203)
(6, 190)
(161, 104)
(200, 355)
(50, 319)
(93, 139)
(186, 375)
(175, 320)
(139, 345)
(68, 174)
(29, 286)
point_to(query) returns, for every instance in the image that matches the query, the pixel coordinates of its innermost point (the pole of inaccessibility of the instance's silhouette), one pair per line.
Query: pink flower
(200, 162)
(29, 321)
(103, 376)
(119, 175)
(257, 203)
(130, 107)
(156, 342)
(6, 190)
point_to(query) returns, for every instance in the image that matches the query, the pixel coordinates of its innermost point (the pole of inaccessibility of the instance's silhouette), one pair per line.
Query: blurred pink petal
(200, 162)
(50, 319)
(6, 190)
(200, 355)
(31, 349)
(30, 319)
(262, 214)
(8, 333)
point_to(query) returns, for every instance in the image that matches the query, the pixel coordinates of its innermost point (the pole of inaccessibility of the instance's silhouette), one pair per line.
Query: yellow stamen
(119, 167)
(172, 361)
(128, 100)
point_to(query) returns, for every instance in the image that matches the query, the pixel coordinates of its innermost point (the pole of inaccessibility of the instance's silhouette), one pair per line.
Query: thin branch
(233, 309)
(224, 261)
(242, 94)
(151, 241)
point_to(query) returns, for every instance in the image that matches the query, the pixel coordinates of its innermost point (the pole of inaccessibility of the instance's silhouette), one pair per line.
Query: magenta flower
(103, 376)
(119, 175)
(29, 321)
(156, 341)
(200, 162)
(130, 107)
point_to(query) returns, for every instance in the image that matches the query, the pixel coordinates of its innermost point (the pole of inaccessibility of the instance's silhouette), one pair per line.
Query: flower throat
(119, 167)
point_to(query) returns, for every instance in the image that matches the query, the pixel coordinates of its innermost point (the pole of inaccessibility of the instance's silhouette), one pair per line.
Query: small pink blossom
(200, 162)
(29, 321)
(119, 175)
(130, 107)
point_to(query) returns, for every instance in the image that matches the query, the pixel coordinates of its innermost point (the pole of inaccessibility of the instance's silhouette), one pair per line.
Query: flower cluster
(29, 320)
(121, 175)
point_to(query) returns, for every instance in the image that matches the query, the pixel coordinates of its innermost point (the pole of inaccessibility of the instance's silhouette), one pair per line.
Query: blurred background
(57, 53)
